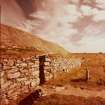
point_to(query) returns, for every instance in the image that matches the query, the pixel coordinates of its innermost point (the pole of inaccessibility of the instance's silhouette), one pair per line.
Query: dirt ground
(71, 95)
(56, 99)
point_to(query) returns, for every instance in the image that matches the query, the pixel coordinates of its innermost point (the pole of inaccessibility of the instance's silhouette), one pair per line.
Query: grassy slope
(14, 37)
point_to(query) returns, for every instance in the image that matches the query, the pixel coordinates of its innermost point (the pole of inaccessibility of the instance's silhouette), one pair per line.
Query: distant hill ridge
(15, 38)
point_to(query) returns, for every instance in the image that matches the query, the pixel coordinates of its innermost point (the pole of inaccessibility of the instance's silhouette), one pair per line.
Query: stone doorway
(41, 69)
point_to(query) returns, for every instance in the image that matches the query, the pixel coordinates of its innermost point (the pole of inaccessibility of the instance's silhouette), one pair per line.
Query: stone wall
(48, 69)
(59, 63)
(19, 76)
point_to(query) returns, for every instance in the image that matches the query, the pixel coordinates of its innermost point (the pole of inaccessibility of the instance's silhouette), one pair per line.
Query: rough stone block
(19, 61)
(5, 67)
(6, 85)
(21, 79)
(25, 89)
(23, 70)
(11, 71)
(2, 73)
(30, 64)
(48, 59)
(27, 82)
(11, 62)
(37, 62)
(34, 66)
(13, 86)
(46, 63)
(24, 64)
(2, 80)
(14, 75)
(47, 67)
(35, 82)
(35, 73)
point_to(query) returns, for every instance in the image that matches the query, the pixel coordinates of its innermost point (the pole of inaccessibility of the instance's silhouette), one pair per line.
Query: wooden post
(87, 74)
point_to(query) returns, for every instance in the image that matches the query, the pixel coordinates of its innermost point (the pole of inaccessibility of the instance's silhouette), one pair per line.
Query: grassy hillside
(15, 38)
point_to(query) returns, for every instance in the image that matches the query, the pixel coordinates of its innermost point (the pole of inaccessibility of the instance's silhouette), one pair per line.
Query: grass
(63, 78)
(78, 75)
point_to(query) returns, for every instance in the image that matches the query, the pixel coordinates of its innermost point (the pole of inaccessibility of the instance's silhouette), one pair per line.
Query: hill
(14, 38)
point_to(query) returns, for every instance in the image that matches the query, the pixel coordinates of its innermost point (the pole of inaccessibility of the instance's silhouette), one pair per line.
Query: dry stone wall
(57, 64)
(48, 69)
(19, 76)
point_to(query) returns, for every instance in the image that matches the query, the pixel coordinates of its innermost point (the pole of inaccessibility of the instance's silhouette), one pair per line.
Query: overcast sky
(77, 25)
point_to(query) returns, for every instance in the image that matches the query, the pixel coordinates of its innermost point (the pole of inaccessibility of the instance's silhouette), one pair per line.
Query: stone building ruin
(20, 76)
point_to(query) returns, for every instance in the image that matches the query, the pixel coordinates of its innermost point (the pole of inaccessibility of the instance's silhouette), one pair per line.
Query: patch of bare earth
(70, 95)
(56, 99)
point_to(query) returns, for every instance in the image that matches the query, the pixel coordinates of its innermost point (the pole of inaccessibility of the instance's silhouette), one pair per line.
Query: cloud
(59, 24)
(92, 44)
(86, 10)
(100, 3)
(11, 13)
(77, 25)
(99, 16)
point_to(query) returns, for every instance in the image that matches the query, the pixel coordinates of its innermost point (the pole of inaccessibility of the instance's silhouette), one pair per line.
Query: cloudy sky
(77, 25)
